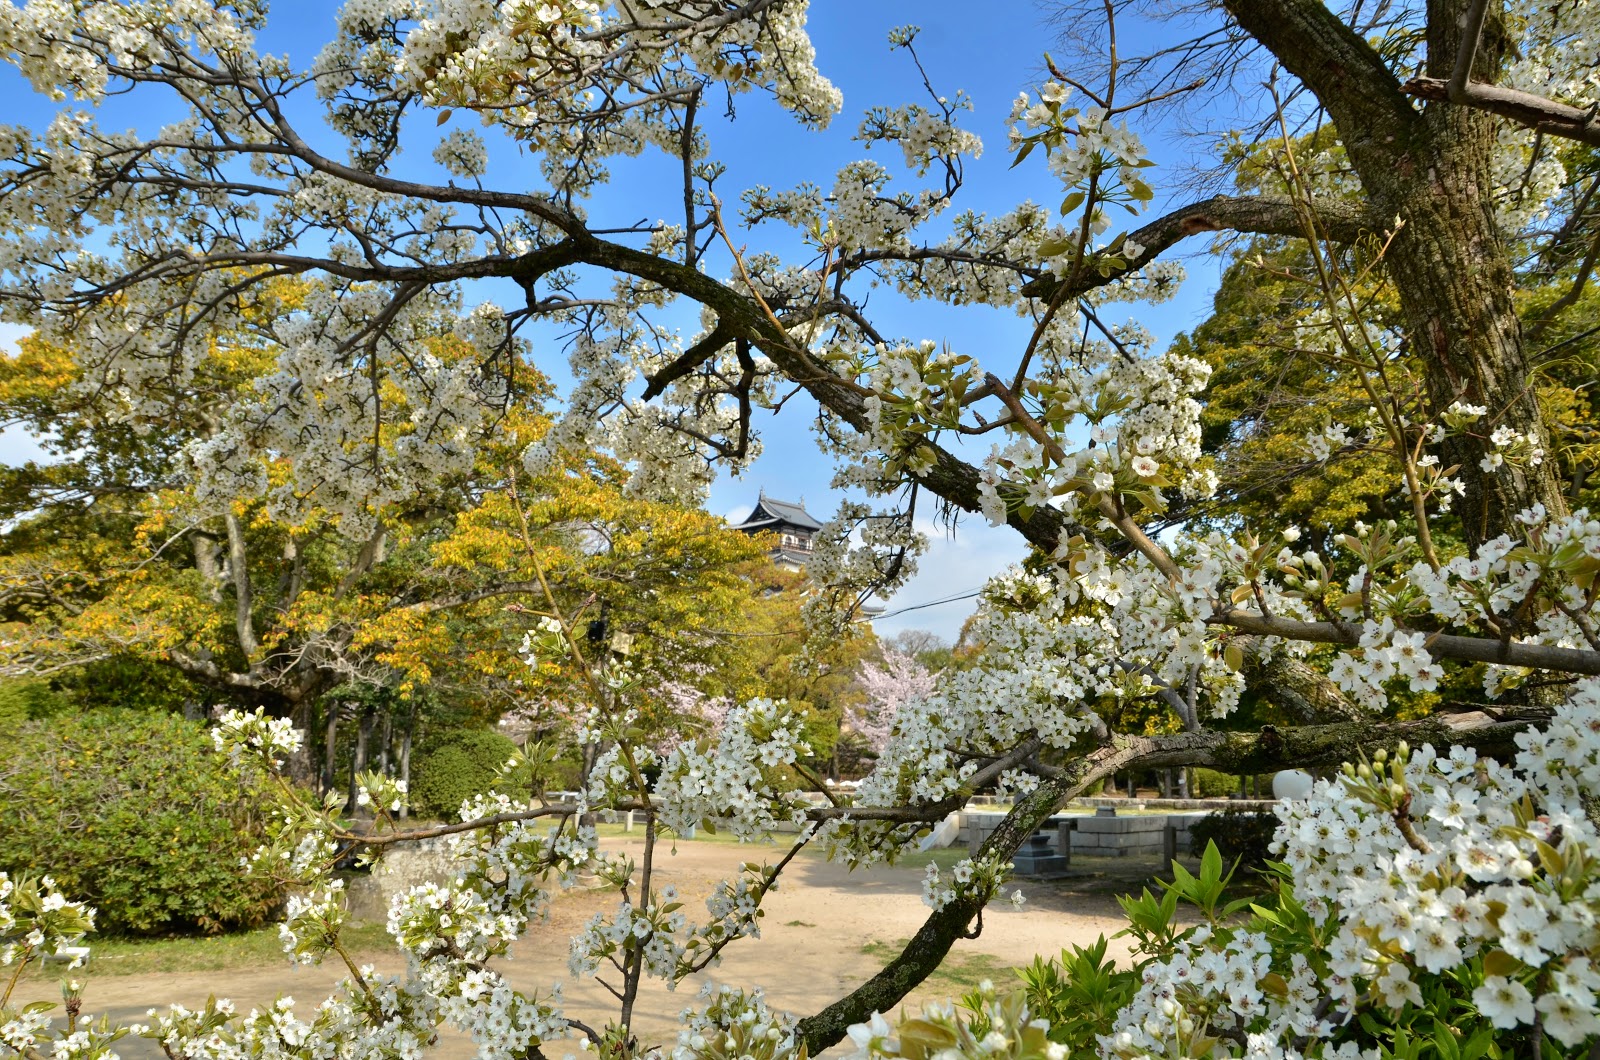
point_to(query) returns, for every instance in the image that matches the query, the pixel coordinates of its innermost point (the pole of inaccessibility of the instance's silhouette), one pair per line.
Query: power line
(954, 598)
(968, 595)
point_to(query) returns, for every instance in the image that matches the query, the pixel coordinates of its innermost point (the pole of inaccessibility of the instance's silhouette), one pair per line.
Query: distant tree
(927, 647)
(900, 679)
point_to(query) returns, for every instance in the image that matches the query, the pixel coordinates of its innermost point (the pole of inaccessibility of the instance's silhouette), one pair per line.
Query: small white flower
(1504, 1002)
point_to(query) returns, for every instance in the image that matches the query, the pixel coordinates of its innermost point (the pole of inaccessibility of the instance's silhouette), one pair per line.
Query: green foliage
(1241, 835)
(1080, 994)
(27, 700)
(127, 682)
(1212, 784)
(456, 767)
(136, 814)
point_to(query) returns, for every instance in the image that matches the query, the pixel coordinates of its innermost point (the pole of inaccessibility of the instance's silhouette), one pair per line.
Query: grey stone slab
(1121, 825)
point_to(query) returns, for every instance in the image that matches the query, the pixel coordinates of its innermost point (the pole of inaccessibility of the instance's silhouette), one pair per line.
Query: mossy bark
(1432, 170)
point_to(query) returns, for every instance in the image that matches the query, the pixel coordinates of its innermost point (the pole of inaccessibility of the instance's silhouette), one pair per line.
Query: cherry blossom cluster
(1144, 433)
(1083, 149)
(650, 931)
(731, 782)
(900, 680)
(1418, 866)
(735, 1024)
(37, 920)
(968, 878)
(255, 738)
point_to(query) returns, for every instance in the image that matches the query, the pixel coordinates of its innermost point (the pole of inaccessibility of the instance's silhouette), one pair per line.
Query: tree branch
(1534, 112)
(1439, 645)
(243, 599)
(1345, 72)
(1256, 214)
(951, 478)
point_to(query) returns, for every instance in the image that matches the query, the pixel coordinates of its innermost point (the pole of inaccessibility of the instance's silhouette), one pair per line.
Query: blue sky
(991, 51)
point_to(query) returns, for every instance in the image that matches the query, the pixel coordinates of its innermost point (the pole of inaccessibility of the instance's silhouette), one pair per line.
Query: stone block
(1121, 825)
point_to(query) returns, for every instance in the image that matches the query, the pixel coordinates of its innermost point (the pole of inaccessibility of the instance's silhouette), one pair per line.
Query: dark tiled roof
(793, 514)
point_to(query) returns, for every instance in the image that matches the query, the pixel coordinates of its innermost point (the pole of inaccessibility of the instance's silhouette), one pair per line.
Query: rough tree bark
(1452, 271)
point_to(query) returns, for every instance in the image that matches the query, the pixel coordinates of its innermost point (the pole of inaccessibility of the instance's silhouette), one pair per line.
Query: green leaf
(1499, 962)
(1211, 865)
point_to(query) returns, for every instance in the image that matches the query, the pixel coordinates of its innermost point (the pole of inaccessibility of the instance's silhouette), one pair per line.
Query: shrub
(456, 767)
(1241, 835)
(1212, 784)
(136, 814)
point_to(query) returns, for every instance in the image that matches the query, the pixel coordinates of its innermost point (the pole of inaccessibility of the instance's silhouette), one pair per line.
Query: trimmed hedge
(1211, 784)
(455, 767)
(1242, 835)
(138, 815)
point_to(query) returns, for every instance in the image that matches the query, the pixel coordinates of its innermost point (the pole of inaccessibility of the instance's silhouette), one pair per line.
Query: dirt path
(826, 931)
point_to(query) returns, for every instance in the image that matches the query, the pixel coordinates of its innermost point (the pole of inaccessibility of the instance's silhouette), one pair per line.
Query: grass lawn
(957, 974)
(240, 949)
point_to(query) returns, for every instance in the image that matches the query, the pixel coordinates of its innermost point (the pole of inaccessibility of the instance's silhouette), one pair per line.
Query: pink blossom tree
(901, 679)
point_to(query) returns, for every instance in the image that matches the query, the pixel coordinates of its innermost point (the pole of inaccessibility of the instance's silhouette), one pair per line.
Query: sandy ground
(811, 951)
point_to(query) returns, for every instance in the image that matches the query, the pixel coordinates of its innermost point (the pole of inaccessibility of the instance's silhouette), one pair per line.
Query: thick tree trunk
(1452, 271)
(1457, 284)
(358, 763)
(385, 733)
(330, 743)
(405, 769)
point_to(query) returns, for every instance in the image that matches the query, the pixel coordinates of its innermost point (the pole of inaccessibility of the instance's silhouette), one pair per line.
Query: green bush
(1241, 835)
(457, 766)
(136, 814)
(1211, 784)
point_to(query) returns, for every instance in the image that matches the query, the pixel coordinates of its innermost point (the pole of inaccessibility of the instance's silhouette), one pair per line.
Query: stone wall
(1098, 834)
